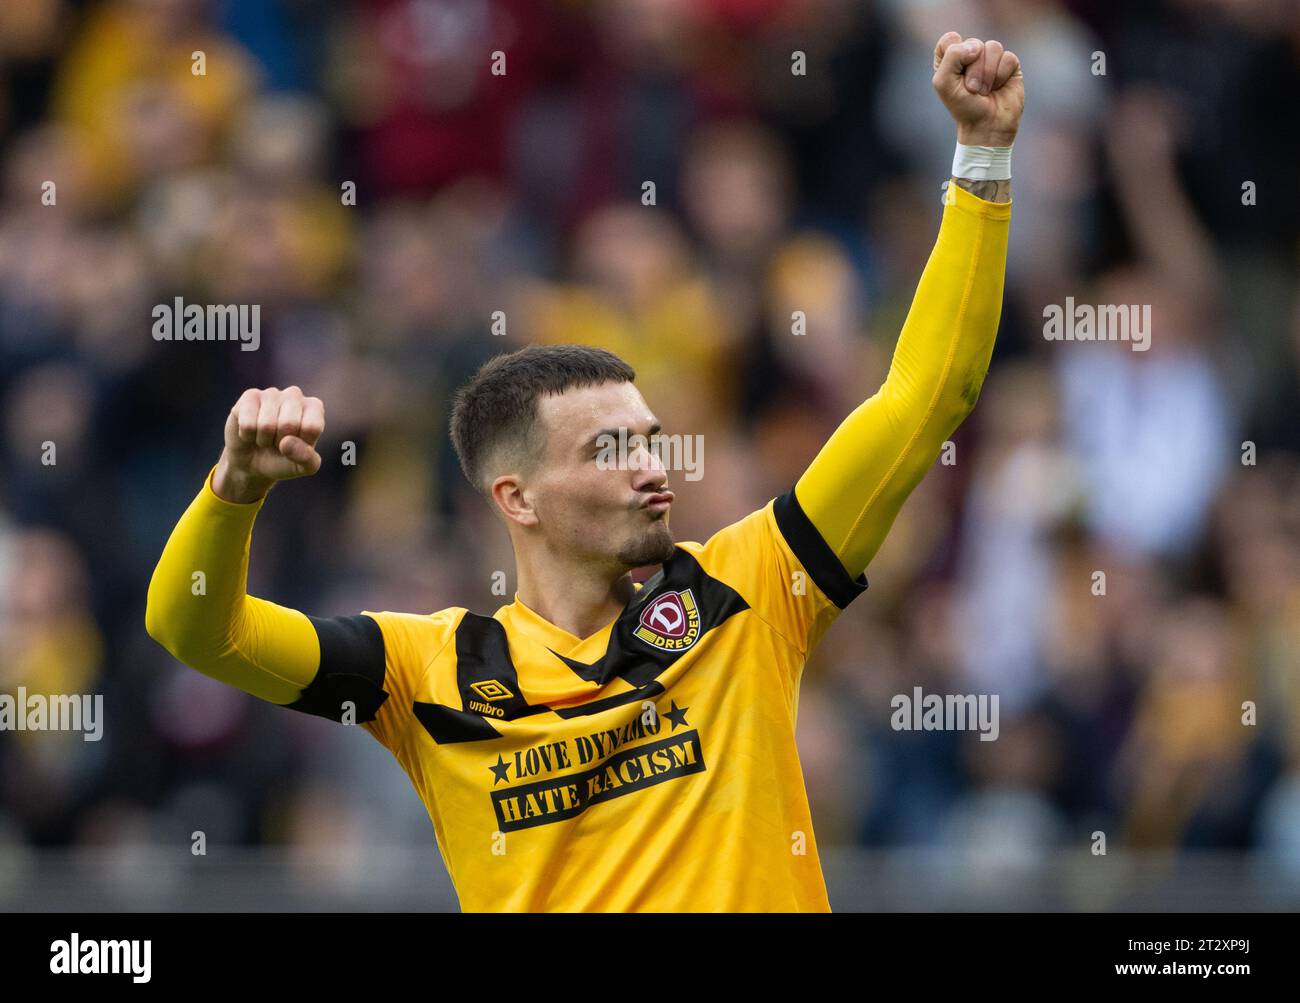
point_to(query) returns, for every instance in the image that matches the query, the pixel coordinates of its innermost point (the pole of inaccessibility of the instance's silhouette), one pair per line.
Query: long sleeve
(344, 668)
(854, 488)
(210, 623)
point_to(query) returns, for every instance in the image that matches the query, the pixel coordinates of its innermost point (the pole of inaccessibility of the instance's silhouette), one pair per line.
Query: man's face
(595, 500)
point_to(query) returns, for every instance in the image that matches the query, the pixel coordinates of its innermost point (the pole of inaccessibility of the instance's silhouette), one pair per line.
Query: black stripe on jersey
(648, 692)
(631, 659)
(447, 725)
(351, 669)
(483, 657)
(815, 553)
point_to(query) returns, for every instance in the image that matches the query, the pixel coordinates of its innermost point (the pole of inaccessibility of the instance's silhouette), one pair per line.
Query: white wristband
(982, 163)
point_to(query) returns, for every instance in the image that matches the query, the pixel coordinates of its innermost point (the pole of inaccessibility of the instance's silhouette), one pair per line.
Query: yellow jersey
(651, 766)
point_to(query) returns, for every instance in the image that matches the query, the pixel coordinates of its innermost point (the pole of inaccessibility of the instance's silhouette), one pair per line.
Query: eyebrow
(591, 443)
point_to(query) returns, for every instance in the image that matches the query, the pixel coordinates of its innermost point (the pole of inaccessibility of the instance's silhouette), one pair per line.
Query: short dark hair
(498, 406)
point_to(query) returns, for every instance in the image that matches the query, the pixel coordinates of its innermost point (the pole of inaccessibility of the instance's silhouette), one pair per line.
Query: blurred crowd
(1115, 551)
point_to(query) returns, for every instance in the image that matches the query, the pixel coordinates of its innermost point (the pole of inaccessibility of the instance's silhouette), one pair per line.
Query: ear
(513, 501)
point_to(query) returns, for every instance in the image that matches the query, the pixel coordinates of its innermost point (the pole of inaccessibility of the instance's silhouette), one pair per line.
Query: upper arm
(359, 669)
(854, 488)
(371, 665)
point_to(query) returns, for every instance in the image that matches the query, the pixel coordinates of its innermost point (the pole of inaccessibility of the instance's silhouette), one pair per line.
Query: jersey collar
(517, 616)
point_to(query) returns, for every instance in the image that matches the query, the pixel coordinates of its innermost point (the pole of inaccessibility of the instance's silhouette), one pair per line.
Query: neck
(577, 597)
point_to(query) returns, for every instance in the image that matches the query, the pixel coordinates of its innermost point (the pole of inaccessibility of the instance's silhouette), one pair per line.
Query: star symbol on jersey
(500, 770)
(677, 716)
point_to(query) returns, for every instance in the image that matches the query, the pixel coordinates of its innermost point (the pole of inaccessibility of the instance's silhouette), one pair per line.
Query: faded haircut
(495, 413)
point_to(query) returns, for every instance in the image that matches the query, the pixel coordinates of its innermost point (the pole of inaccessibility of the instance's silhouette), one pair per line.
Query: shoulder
(748, 529)
(415, 633)
(770, 544)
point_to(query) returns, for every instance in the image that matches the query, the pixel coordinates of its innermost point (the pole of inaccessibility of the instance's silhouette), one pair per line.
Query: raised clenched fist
(270, 436)
(983, 88)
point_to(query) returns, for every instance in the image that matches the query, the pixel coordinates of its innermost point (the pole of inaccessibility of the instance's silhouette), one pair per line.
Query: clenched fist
(270, 436)
(981, 85)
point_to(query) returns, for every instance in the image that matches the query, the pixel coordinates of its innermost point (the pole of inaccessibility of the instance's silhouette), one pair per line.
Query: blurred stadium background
(1120, 713)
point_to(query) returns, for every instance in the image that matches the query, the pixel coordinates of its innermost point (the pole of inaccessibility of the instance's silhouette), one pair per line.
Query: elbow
(157, 616)
(181, 627)
(156, 623)
(164, 622)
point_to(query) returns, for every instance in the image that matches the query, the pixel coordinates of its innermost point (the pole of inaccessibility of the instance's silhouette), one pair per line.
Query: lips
(659, 501)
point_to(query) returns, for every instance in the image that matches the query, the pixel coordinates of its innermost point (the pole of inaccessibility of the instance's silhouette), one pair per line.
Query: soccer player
(595, 744)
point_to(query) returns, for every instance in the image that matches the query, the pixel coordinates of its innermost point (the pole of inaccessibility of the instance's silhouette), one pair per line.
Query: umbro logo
(492, 689)
(671, 622)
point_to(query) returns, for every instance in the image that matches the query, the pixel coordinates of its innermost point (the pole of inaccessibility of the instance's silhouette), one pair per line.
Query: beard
(654, 546)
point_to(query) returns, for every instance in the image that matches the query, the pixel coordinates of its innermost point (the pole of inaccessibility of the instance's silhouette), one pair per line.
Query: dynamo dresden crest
(671, 622)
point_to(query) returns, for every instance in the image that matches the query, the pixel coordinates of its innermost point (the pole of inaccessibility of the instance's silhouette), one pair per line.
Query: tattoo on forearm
(989, 191)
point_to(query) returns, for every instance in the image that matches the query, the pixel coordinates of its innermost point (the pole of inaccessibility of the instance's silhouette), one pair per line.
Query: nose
(649, 473)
